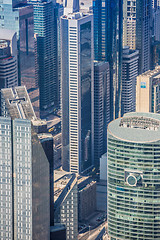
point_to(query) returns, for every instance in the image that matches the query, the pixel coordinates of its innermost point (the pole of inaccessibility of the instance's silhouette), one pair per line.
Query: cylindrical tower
(134, 177)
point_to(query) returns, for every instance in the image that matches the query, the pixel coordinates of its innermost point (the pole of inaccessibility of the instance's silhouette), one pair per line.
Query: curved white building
(134, 177)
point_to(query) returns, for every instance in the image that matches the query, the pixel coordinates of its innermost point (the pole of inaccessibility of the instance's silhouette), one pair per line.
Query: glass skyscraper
(18, 16)
(108, 28)
(77, 91)
(133, 177)
(45, 30)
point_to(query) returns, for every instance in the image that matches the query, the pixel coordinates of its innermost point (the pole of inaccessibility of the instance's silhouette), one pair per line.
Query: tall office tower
(108, 29)
(28, 173)
(18, 16)
(8, 59)
(147, 91)
(101, 108)
(129, 74)
(143, 33)
(77, 91)
(129, 23)
(133, 177)
(46, 43)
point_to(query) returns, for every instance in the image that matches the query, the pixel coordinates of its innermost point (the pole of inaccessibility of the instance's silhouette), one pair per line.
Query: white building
(77, 91)
(129, 23)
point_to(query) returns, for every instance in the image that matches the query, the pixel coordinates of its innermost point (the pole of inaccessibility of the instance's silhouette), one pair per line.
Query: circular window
(131, 180)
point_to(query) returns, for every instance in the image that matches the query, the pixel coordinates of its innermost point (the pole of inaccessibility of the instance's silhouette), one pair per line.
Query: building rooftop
(61, 181)
(136, 127)
(6, 34)
(45, 136)
(151, 73)
(76, 15)
(17, 103)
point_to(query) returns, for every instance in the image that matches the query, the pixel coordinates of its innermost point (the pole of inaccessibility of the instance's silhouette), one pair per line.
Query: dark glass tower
(46, 40)
(108, 17)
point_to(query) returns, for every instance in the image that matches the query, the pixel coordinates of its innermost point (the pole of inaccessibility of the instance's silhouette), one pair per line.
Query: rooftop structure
(66, 202)
(16, 103)
(136, 127)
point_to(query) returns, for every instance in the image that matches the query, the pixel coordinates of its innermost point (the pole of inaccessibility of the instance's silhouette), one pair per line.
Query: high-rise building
(108, 29)
(8, 59)
(24, 172)
(137, 24)
(129, 23)
(129, 74)
(156, 24)
(133, 177)
(18, 16)
(143, 33)
(101, 108)
(77, 91)
(16, 104)
(147, 91)
(66, 202)
(45, 30)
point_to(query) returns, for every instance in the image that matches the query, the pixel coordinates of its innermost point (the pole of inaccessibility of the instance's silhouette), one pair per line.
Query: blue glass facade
(20, 20)
(46, 41)
(85, 63)
(108, 17)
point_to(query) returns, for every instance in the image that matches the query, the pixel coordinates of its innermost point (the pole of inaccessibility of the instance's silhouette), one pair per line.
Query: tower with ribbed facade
(133, 177)
(77, 91)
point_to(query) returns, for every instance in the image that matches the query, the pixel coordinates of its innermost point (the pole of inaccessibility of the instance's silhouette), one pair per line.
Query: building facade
(29, 172)
(143, 33)
(108, 29)
(18, 16)
(147, 91)
(129, 24)
(77, 91)
(129, 74)
(101, 108)
(45, 30)
(8, 59)
(66, 202)
(133, 177)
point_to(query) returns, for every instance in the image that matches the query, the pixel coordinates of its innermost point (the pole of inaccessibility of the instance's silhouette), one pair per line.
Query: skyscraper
(129, 23)
(108, 29)
(8, 59)
(143, 33)
(129, 74)
(46, 44)
(133, 177)
(137, 29)
(101, 108)
(77, 92)
(24, 172)
(18, 16)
